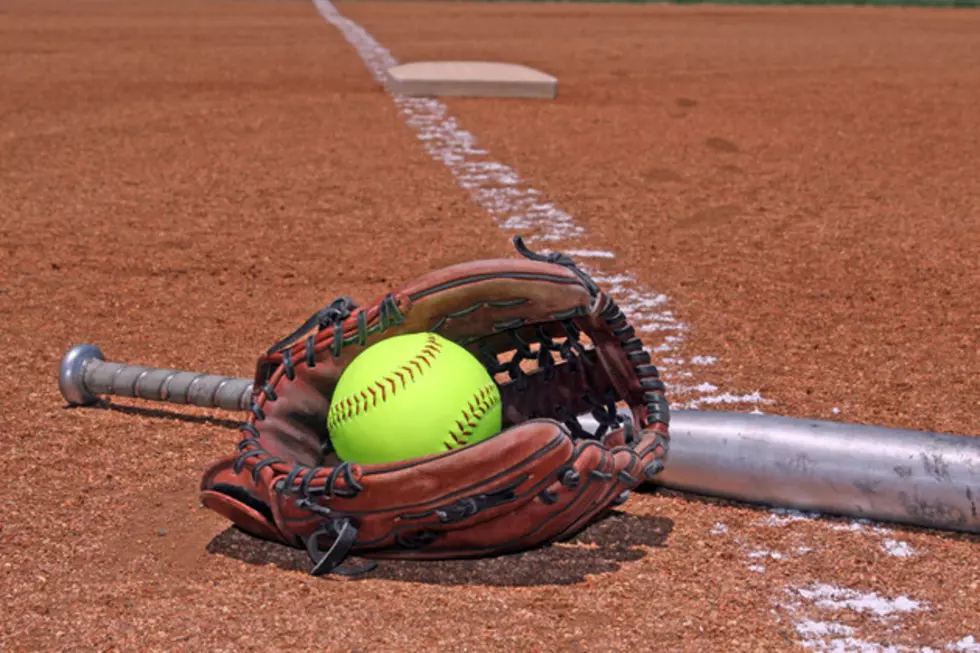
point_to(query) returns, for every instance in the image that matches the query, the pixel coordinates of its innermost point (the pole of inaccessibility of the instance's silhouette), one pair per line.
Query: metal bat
(884, 474)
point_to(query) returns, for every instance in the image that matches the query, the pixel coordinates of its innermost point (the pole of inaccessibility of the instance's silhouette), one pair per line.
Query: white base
(470, 79)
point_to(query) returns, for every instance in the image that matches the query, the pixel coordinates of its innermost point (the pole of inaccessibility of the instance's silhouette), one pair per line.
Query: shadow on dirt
(602, 548)
(104, 404)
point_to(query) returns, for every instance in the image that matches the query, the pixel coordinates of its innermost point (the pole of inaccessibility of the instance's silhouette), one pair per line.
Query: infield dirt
(184, 183)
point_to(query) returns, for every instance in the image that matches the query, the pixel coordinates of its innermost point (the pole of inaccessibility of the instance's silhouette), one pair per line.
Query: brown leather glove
(558, 348)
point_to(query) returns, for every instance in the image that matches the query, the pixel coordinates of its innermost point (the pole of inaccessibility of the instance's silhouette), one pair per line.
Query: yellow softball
(410, 396)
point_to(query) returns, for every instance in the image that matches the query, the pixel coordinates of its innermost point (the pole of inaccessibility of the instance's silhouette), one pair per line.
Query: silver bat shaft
(85, 375)
(872, 472)
(883, 474)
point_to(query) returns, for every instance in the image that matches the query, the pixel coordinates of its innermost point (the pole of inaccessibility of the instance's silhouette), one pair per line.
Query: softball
(411, 396)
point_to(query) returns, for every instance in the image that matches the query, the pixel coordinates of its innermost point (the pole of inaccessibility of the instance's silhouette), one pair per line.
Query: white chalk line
(517, 207)
(809, 607)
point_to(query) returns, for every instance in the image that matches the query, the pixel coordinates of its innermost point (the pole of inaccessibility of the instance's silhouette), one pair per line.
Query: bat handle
(85, 374)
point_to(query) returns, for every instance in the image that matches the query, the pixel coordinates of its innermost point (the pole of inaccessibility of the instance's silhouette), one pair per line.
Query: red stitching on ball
(454, 436)
(353, 405)
(410, 373)
(483, 405)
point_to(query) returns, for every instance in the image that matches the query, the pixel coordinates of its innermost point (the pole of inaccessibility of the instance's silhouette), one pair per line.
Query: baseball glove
(557, 346)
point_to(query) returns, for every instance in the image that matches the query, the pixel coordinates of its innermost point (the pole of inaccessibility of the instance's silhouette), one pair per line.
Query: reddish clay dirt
(184, 183)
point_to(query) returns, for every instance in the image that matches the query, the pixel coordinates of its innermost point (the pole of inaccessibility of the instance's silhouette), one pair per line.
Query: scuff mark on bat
(903, 471)
(936, 466)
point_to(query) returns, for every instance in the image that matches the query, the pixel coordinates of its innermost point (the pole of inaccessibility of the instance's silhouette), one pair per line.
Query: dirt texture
(183, 183)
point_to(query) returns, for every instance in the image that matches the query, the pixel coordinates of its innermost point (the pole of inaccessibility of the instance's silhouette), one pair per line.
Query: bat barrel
(912, 477)
(85, 375)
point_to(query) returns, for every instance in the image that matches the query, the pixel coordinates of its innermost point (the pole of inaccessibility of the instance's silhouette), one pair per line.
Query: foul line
(516, 206)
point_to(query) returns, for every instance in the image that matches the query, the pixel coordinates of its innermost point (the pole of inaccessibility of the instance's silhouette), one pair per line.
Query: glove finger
(606, 494)
(572, 498)
(452, 490)
(233, 495)
(538, 517)
(631, 465)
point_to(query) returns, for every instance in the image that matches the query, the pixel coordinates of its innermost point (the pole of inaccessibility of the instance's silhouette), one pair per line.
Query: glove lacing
(342, 530)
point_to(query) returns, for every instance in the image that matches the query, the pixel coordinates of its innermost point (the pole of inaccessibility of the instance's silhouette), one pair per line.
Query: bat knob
(71, 378)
